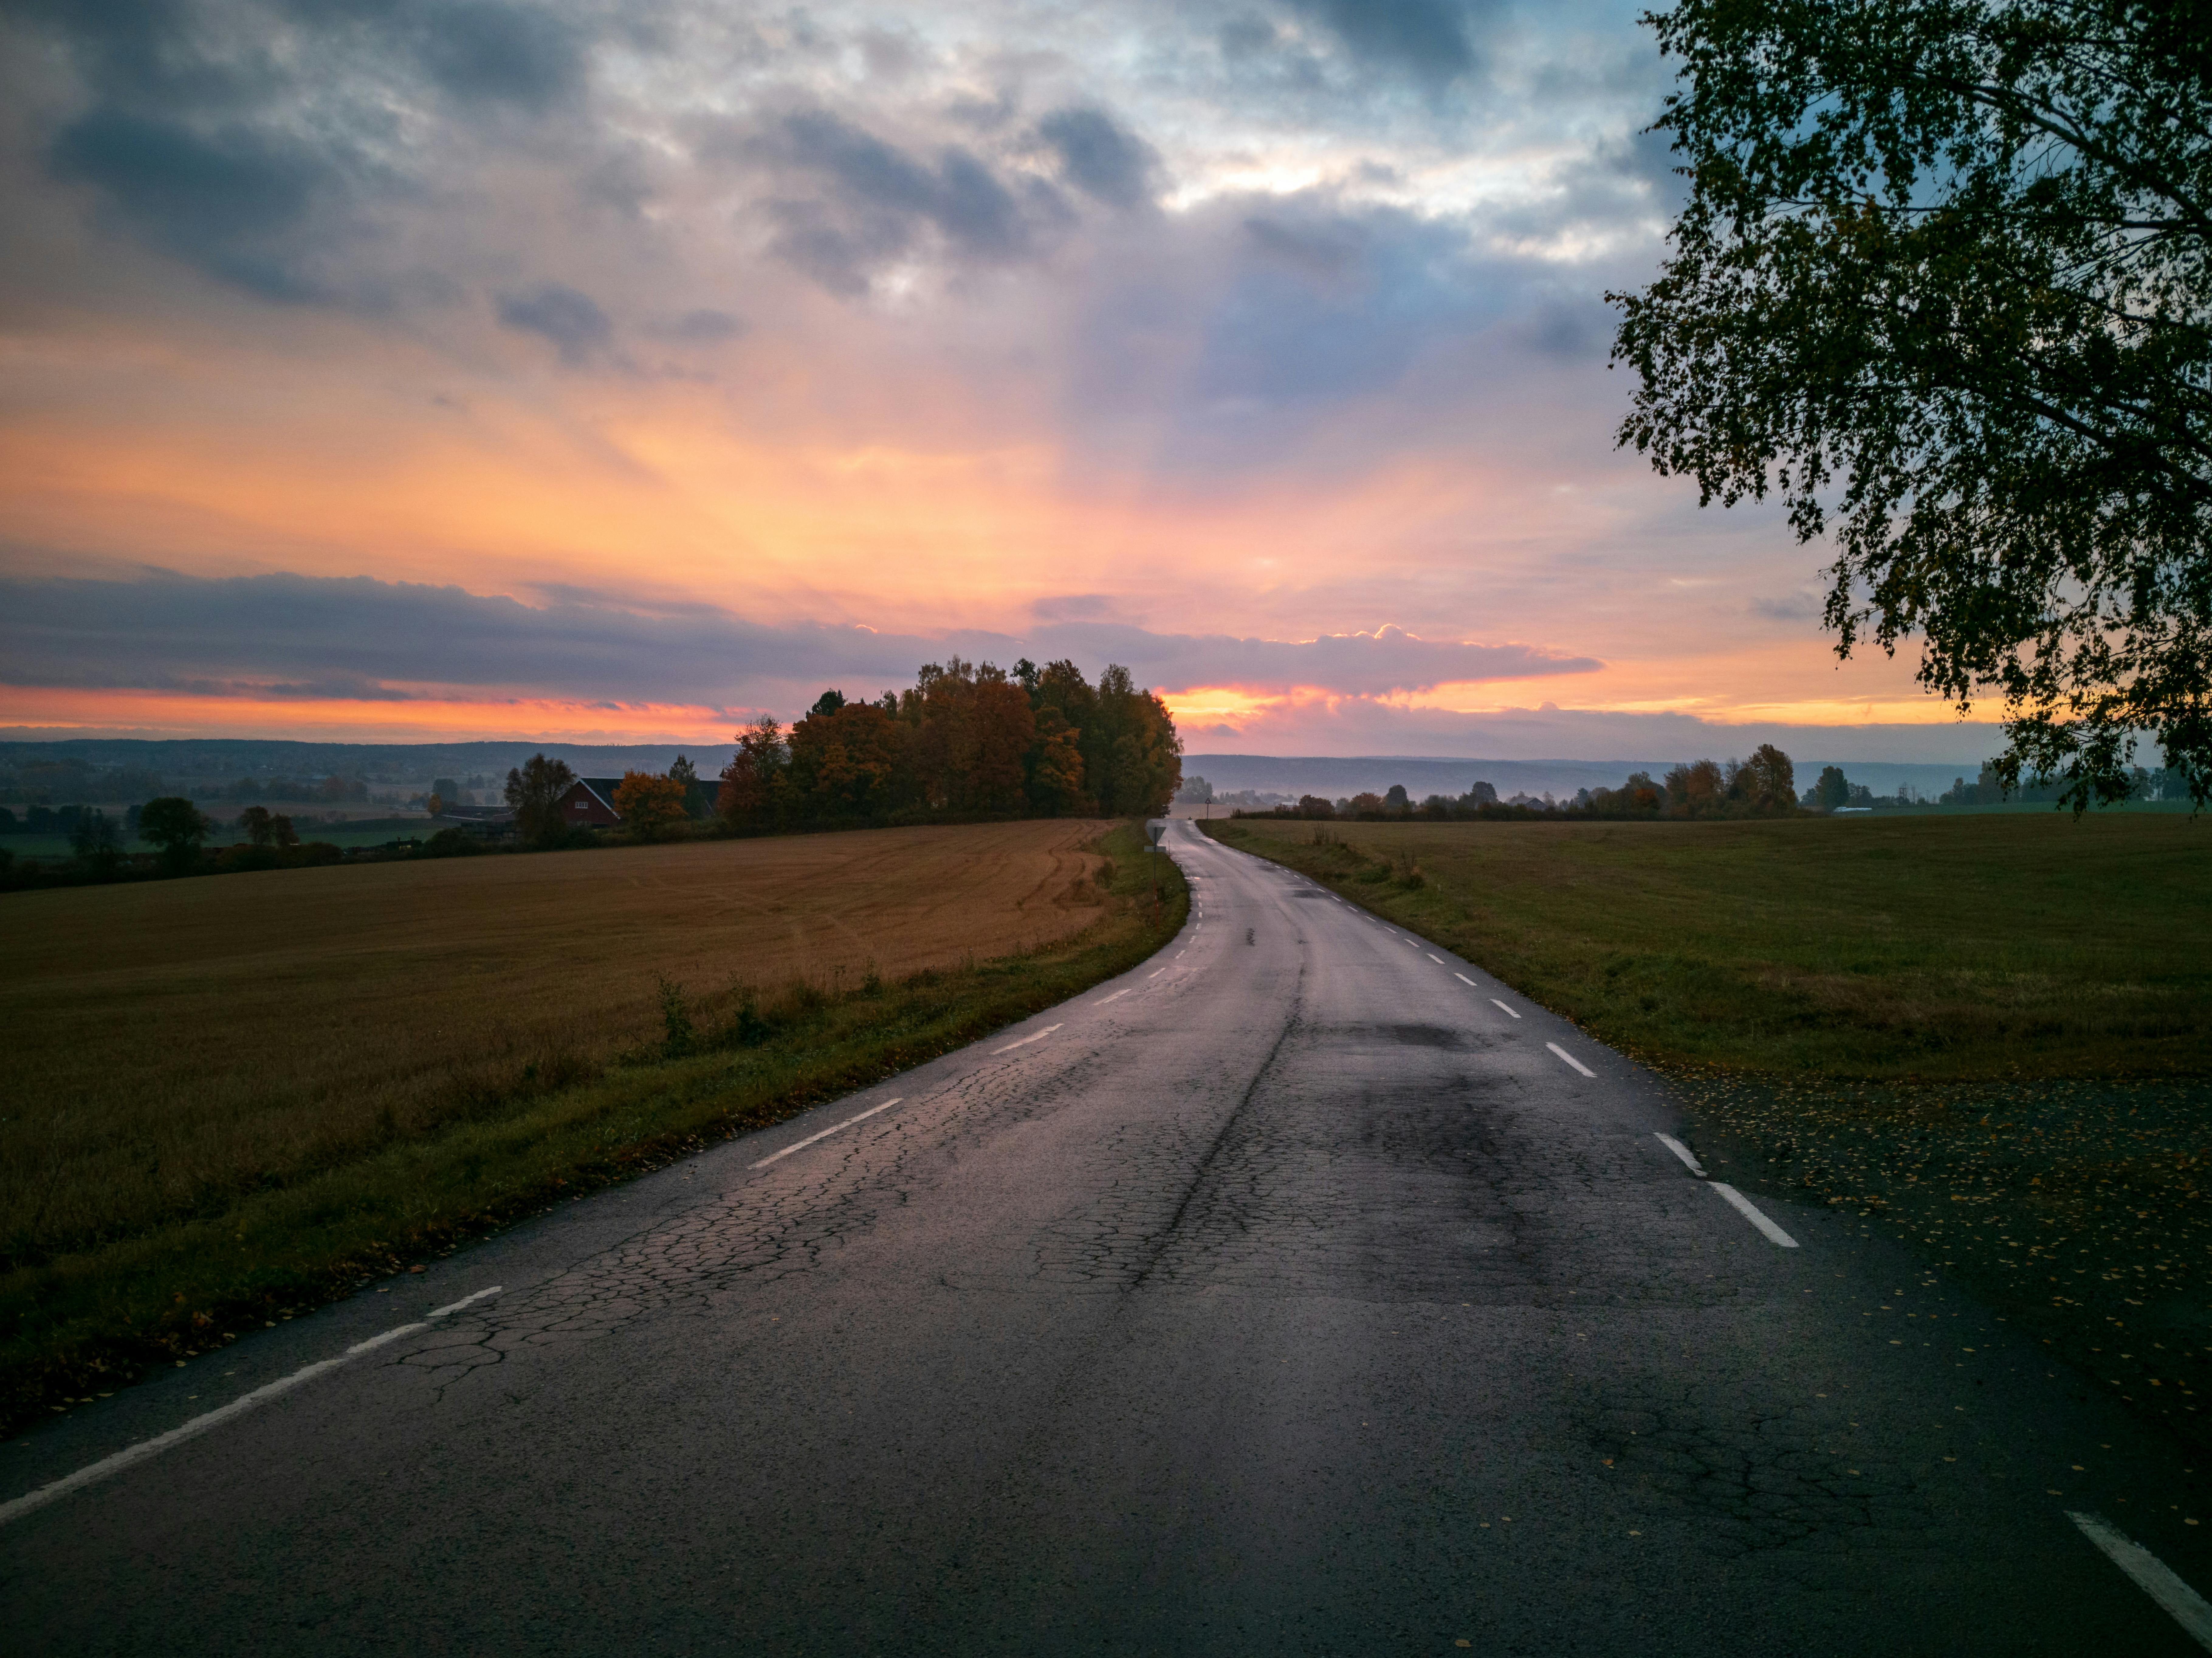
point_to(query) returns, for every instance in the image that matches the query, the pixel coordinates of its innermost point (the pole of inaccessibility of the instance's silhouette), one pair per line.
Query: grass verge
(1990, 1037)
(82, 1324)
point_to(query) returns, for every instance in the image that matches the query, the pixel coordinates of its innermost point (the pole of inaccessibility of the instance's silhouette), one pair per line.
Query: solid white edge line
(1502, 1008)
(456, 1306)
(1024, 1042)
(2152, 1574)
(1570, 1059)
(1750, 1210)
(132, 1456)
(1464, 979)
(1688, 1156)
(801, 1145)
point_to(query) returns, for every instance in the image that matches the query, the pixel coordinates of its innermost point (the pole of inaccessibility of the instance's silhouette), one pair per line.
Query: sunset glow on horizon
(621, 382)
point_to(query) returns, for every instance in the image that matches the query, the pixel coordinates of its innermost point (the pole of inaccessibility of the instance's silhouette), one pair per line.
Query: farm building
(590, 802)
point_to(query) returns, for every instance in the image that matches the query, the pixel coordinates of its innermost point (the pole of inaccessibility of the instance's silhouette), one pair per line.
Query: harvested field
(175, 1043)
(208, 1161)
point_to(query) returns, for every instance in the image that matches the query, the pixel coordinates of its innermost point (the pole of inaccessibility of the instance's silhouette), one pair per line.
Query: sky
(422, 369)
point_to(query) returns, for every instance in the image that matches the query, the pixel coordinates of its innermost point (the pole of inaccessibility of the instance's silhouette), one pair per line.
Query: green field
(1985, 946)
(1987, 1034)
(354, 832)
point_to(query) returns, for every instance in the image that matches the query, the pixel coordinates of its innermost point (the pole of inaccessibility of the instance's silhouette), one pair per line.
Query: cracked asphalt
(1290, 1296)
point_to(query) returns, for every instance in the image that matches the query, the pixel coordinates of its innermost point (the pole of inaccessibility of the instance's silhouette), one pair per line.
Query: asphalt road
(1288, 1294)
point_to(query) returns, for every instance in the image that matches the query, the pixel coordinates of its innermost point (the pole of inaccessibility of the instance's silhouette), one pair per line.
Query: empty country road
(1302, 1290)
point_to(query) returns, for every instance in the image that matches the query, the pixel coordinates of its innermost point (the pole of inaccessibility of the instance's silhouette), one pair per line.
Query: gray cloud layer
(320, 636)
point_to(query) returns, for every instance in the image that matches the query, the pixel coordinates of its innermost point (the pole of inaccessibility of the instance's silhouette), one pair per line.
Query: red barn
(590, 804)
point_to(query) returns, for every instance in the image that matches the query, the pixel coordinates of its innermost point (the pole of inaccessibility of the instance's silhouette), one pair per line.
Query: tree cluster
(967, 740)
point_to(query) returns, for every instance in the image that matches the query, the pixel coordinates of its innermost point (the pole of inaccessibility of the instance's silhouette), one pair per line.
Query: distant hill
(188, 759)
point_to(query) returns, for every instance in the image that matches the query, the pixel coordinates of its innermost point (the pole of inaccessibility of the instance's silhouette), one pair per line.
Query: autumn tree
(1056, 767)
(533, 792)
(1695, 789)
(651, 804)
(1766, 781)
(847, 761)
(1131, 751)
(1004, 729)
(751, 793)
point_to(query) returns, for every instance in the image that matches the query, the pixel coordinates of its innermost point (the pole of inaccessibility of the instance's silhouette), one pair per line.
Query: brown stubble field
(175, 1044)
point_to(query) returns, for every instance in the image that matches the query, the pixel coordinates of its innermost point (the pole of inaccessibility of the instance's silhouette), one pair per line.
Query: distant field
(354, 832)
(1954, 946)
(171, 1042)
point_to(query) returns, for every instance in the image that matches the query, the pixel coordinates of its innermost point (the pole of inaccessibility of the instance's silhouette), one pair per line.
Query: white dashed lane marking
(1570, 1059)
(148, 1448)
(800, 1145)
(2152, 1576)
(456, 1306)
(1750, 1210)
(1038, 1037)
(1501, 1006)
(1735, 1199)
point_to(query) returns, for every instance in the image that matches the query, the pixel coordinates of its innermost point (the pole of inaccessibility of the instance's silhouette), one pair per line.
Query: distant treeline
(41, 780)
(965, 741)
(1761, 786)
(1988, 789)
(1757, 787)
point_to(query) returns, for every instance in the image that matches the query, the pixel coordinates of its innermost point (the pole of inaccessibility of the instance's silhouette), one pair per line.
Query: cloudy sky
(398, 368)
